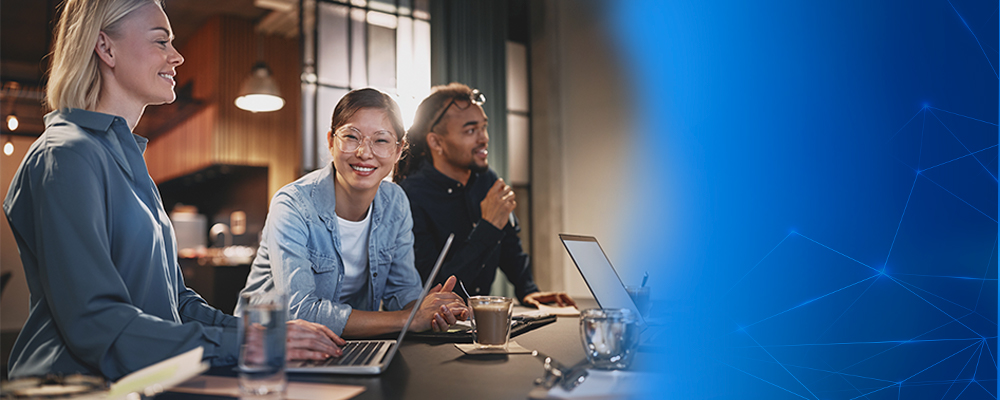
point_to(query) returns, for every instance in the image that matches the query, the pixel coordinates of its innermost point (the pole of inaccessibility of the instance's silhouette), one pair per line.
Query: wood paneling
(218, 59)
(185, 148)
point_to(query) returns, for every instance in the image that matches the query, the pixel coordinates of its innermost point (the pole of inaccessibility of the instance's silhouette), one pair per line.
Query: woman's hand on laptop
(538, 298)
(311, 341)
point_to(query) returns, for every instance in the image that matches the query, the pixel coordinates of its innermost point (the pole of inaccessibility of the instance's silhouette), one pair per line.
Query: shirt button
(449, 190)
(477, 290)
(374, 274)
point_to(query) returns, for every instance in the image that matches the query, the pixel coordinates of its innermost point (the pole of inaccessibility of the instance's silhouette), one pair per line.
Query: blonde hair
(74, 77)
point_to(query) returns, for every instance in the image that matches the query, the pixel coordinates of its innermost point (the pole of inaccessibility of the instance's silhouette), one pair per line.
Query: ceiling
(26, 34)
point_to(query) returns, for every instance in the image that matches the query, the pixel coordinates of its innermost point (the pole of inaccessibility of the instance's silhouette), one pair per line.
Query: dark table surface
(425, 370)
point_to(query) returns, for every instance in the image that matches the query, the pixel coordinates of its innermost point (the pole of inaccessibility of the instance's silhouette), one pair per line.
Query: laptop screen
(600, 276)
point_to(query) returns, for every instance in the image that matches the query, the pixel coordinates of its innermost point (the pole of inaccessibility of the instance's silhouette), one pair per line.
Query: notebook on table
(370, 357)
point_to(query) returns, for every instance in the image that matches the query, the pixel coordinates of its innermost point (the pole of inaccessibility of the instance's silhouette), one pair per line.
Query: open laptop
(370, 357)
(600, 275)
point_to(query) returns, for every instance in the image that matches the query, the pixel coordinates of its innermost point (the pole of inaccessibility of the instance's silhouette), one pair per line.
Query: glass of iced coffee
(491, 317)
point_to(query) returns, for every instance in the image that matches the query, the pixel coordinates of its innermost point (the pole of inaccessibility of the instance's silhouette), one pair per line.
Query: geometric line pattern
(835, 337)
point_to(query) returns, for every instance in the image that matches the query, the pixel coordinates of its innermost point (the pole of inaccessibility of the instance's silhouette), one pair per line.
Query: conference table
(425, 369)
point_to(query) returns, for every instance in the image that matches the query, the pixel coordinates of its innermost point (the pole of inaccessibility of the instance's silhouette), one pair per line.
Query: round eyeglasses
(475, 97)
(383, 143)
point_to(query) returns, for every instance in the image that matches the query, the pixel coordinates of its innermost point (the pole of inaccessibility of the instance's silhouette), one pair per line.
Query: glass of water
(610, 336)
(262, 346)
(640, 296)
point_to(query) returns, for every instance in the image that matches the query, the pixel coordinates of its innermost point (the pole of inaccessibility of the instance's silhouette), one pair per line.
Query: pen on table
(645, 277)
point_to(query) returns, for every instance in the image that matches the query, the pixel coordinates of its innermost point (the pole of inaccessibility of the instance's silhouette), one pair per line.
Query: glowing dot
(12, 122)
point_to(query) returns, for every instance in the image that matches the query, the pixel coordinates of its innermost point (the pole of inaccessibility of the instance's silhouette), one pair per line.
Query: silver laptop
(600, 275)
(370, 357)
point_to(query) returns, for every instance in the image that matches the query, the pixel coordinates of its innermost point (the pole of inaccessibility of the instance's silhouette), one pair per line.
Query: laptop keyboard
(355, 353)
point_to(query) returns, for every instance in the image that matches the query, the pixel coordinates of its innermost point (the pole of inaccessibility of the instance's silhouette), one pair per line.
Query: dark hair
(428, 110)
(368, 98)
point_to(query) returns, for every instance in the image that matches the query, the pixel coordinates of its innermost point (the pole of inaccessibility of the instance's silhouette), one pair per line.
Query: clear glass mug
(262, 346)
(610, 336)
(491, 316)
(640, 296)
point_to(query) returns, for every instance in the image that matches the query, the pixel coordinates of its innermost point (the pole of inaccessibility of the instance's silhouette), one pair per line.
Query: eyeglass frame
(475, 97)
(364, 138)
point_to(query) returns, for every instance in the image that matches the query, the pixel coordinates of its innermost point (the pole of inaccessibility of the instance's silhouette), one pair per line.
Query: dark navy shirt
(100, 258)
(442, 206)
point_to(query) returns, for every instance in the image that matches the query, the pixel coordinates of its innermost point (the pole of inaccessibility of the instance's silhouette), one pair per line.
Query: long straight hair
(74, 76)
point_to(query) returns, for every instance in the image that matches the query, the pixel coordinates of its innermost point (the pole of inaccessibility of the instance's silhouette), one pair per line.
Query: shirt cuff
(227, 346)
(486, 234)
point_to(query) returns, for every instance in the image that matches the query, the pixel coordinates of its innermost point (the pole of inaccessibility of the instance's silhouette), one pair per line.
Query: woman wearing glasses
(339, 240)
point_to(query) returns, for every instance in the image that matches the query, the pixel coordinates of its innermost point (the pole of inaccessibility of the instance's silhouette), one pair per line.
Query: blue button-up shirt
(300, 253)
(100, 258)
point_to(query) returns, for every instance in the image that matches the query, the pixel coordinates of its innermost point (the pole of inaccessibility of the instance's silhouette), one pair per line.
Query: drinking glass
(491, 316)
(262, 346)
(610, 336)
(640, 296)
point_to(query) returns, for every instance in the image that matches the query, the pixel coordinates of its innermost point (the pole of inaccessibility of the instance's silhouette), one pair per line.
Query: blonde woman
(99, 254)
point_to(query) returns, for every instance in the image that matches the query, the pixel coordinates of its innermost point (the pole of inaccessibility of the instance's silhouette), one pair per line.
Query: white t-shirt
(354, 253)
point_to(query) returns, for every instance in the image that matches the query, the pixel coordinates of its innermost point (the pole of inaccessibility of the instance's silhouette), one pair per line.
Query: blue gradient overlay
(834, 167)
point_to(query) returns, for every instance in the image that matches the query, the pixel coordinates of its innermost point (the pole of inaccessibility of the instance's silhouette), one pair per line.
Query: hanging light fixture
(12, 90)
(259, 92)
(8, 147)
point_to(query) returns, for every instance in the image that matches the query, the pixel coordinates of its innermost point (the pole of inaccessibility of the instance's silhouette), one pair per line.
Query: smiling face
(144, 58)
(361, 171)
(461, 143)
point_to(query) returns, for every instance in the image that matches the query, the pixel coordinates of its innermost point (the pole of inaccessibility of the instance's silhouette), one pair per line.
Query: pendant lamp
(259, 92)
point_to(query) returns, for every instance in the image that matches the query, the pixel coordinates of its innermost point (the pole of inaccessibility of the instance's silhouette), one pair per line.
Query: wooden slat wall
(246, 138)
(185, 149)
(219, 58)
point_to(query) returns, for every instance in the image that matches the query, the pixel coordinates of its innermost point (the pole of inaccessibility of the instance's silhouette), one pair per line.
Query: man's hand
(440, 309)
(311, 341)
(538, 298)
(498, 204)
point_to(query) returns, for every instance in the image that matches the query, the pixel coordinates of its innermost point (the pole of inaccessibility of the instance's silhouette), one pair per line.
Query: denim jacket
(300, 255)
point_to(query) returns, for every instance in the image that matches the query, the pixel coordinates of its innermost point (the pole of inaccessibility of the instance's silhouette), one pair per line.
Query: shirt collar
(443, 181)
(92, 120)
(112, 128)
(324, 196)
